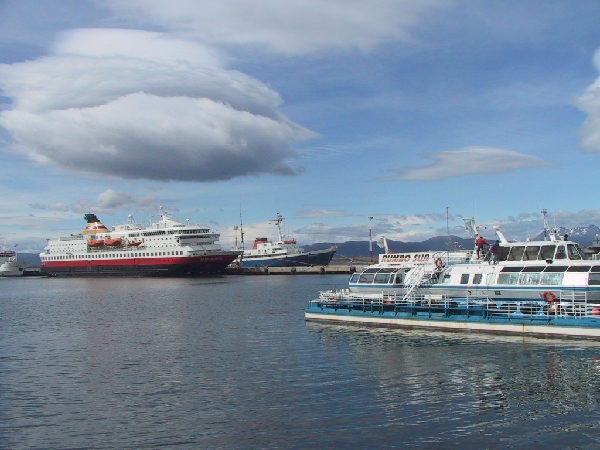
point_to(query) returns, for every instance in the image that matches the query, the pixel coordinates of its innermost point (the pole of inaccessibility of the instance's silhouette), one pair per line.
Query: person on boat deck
(566, 237)
(479, 243)
(494, 252)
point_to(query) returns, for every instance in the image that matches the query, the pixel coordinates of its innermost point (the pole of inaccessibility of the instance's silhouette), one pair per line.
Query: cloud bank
(292, 27)
(589, 135)
(469, 161)
(139, 105)
(108, 202)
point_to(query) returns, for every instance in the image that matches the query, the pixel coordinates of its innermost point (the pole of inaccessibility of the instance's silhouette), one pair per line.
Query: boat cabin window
(533, 269)
(398, 278)
(595, 268)
(382, 278)
(477, 278)
(531, 253)
(552, 278)
(560, 252)
(575, 252)
(547, 252)
(594, 279)
(578, 269)
(366, 277)
(512, 269)
(464, 278)
(515, 253)
(446, 278)
(508, 278)
(556, 269)
(354, 278)
(529, 278)
(502, 254)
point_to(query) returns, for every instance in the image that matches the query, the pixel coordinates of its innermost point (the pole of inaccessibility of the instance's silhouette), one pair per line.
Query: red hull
(159, 266)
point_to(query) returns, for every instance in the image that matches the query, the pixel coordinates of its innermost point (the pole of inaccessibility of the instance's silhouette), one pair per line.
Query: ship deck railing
(568, 304)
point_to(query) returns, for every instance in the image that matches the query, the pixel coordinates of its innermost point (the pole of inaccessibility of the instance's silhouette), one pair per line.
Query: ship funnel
(94, 225)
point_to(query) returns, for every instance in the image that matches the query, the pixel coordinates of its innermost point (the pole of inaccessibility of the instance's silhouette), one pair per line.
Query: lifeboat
(113, 242)
(134, 243)
(95, 242)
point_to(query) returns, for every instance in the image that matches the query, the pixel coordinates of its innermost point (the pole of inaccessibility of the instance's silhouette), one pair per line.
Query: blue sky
(327, 111)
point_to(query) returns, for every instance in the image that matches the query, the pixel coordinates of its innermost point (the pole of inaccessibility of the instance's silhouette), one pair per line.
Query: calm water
(230, 363)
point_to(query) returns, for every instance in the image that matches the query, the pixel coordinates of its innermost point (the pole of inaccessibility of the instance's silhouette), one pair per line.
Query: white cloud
(108, 202)
(469, 161)
(589, 135)
(290, 27)
(152, 46)
(143, 115)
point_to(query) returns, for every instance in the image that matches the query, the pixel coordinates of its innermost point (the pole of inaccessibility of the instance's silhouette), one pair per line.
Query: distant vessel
(282, 253)
(165, 248)
(9, 266)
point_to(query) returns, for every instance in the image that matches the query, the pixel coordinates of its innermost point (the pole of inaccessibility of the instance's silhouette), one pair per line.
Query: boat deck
(577, 319)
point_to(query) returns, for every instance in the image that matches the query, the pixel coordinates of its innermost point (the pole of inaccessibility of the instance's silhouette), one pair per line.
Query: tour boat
(166, 247)
(285, 252)
(532, 287)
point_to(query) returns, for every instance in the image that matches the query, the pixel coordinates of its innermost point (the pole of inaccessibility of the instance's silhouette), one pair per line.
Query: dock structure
(302, 270)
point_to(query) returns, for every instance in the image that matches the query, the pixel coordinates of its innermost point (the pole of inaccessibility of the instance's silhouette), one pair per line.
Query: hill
(352, 249)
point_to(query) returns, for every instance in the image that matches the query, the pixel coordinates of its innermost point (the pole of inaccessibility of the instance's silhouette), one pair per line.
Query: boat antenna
(278, 222)
(544, 212)
(447, 232)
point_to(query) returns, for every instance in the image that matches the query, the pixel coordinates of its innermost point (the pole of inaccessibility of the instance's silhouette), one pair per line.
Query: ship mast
(544, 212)
(278, 222)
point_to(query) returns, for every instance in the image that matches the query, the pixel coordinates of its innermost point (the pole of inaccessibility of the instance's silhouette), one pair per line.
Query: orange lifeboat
(95, 242)
(113, 242)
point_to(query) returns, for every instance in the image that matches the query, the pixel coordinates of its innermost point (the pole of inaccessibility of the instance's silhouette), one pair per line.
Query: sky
(349, 117)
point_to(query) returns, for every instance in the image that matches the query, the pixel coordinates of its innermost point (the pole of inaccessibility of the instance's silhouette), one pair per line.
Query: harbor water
(230, 363)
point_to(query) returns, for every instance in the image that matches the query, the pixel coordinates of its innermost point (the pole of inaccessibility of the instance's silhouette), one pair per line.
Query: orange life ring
(439, 263)
(549, 296)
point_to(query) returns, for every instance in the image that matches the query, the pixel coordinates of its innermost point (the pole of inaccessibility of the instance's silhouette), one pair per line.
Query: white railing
(569, 304)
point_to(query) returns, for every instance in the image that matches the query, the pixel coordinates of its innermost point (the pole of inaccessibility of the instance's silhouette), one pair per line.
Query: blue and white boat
(532, 287)
(284, 252)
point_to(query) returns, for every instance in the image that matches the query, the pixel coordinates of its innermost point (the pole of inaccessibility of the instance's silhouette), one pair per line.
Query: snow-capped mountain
(582, 235)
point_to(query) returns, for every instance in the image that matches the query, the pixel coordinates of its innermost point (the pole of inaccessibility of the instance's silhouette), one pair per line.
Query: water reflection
(464, 384)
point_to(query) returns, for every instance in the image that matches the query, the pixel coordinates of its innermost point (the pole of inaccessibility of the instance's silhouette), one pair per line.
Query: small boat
(284, 252)
(95, 242)
(134, 243)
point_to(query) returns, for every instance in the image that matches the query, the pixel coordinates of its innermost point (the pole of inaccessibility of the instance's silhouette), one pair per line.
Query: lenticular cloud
(160, 114)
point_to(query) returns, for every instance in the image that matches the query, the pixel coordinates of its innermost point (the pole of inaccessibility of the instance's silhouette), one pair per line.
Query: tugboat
(165, 248)
(282, 253)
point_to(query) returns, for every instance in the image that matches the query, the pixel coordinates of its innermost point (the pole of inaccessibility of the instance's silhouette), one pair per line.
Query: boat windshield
(575, 252)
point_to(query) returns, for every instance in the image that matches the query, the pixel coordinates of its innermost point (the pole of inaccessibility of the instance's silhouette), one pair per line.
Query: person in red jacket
(479, 243)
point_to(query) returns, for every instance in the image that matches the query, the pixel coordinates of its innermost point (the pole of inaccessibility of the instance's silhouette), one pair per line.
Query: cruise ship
(165, 248)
